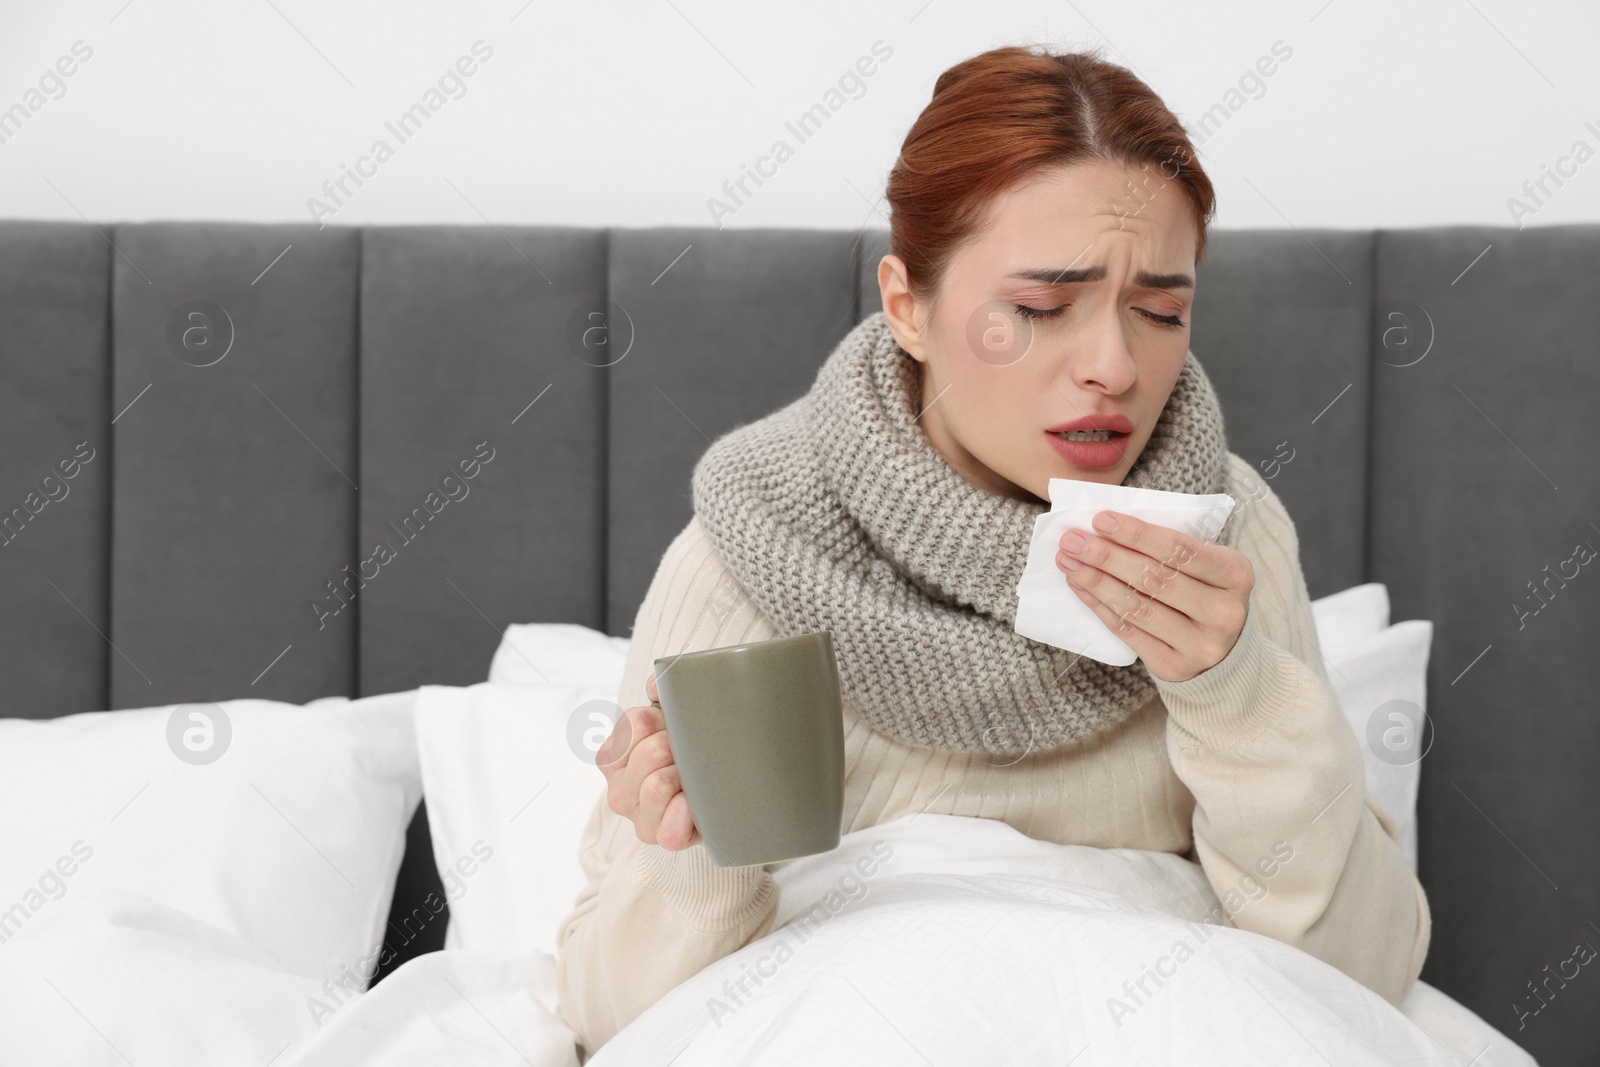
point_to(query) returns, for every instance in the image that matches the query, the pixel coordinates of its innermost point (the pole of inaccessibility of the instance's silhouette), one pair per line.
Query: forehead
(1098, 209)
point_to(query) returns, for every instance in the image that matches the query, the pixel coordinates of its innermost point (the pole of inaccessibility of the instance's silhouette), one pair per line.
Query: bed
(248, 411)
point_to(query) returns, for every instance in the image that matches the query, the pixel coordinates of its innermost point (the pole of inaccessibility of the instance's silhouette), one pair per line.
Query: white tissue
(1047, 608)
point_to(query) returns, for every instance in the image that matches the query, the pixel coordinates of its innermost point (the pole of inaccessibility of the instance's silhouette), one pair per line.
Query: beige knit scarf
(836, 513)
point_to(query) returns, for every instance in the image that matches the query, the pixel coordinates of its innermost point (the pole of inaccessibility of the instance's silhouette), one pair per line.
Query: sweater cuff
(710, 898)
(1247, 691)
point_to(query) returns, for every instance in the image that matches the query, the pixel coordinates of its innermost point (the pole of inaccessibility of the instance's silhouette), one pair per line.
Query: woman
(1047, 216)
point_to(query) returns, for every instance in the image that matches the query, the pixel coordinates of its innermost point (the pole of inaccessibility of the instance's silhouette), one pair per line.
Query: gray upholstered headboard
(200, 549)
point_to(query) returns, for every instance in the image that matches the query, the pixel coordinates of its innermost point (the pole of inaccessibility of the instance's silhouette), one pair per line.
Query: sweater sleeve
(649, 918)
(1283, 826)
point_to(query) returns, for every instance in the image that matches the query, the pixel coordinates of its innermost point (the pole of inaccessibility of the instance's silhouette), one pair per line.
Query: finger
(1169, 549)
(1154, 577)
(1102, 559)
(677, 830)
(648, 757)
(634, 725)
(615, 747)
(650, 687)
(1144, 623)
(656, 792)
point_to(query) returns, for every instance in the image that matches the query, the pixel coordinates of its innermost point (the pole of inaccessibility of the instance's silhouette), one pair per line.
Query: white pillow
(1347, 618)
(556, 653)
(1370, 681)
(508, 770)
(1369, 664)
(288, 839)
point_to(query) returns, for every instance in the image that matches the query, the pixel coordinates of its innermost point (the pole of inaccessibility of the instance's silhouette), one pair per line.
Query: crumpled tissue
(1047, 608)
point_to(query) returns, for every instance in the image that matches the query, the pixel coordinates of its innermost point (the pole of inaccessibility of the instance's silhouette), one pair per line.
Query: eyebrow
(1071, 276)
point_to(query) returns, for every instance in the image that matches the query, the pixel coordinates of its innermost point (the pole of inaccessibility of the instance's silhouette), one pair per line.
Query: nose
(1101, 358)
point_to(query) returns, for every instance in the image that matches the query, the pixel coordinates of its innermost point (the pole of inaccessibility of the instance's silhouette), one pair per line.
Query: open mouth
(1090, 448)
(1088, 435)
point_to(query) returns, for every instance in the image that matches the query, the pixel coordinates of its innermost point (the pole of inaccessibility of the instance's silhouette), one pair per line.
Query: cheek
(987, 404)
(993, 411)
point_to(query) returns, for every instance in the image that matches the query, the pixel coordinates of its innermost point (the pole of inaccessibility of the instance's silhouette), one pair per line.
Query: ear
(900, 308)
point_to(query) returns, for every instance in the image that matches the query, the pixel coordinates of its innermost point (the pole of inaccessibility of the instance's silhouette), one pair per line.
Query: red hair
(998, 117)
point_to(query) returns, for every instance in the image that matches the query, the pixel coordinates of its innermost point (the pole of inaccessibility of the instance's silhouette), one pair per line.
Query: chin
(1028, 494)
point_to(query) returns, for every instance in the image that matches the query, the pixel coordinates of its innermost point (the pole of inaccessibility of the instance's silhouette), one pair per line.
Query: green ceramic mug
(757, 732)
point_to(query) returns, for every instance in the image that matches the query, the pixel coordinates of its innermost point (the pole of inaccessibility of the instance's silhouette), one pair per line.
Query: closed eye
(1034, 314)
(1164, 320)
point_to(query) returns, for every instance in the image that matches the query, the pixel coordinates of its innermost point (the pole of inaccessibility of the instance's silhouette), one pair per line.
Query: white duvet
(935, 939)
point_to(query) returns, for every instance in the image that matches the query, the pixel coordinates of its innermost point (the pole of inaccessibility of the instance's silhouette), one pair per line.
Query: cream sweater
(1238, 767)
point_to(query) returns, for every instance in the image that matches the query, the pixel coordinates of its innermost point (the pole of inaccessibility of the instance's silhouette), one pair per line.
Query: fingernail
(1074, 541)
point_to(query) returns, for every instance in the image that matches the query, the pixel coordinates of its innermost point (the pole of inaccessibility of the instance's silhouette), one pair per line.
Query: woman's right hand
(642, 782)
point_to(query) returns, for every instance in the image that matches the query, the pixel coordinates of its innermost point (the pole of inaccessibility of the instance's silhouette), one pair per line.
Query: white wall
(635, 112)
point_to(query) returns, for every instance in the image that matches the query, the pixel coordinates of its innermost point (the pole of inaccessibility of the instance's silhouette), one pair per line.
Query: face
(1073, 300)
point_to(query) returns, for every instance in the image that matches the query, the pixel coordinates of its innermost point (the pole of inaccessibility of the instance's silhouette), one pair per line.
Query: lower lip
(1090, 453)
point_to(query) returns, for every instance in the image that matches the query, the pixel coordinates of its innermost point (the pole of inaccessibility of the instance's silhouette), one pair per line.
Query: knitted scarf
(836, 513)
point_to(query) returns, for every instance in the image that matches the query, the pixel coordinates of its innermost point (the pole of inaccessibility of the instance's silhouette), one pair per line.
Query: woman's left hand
(1178, 601)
